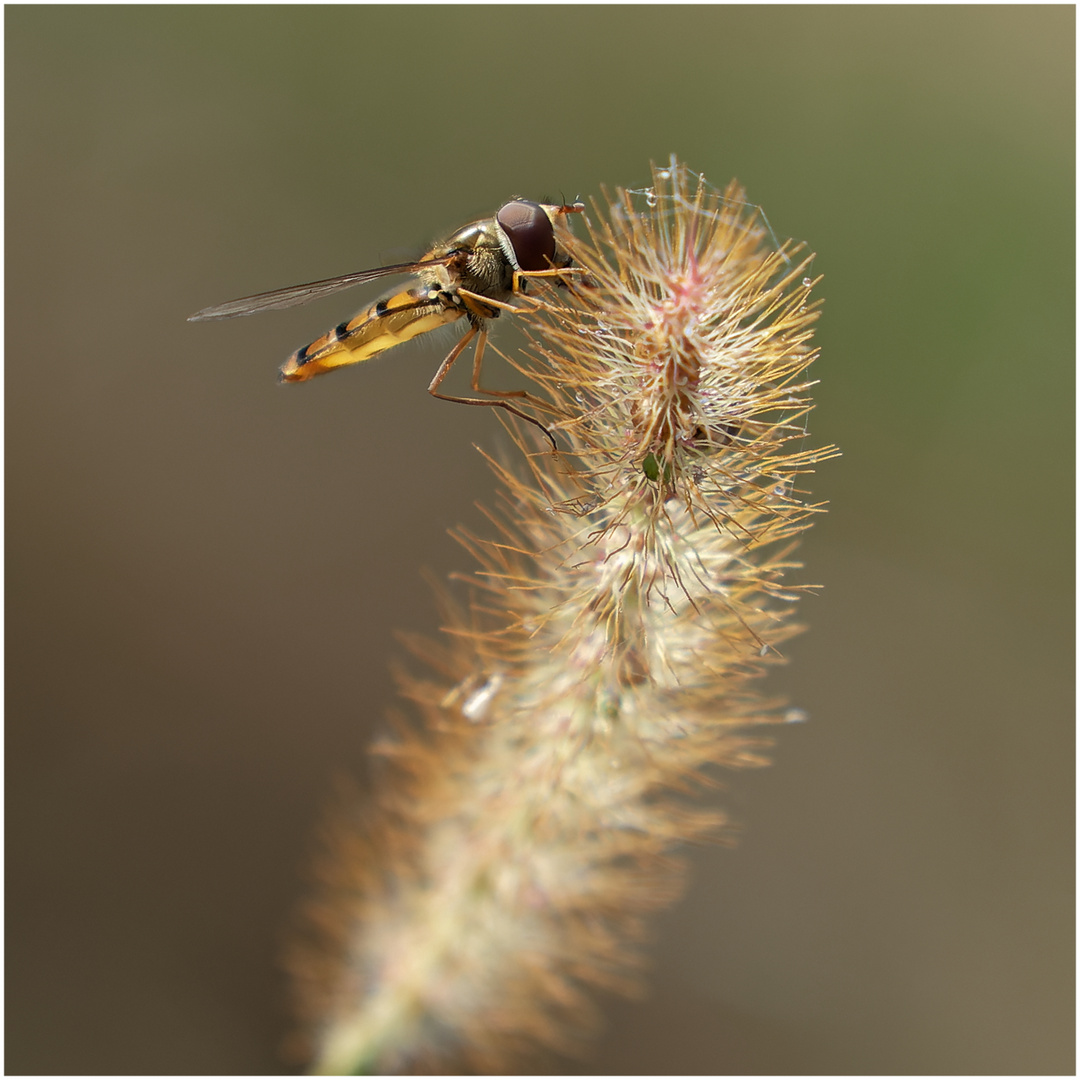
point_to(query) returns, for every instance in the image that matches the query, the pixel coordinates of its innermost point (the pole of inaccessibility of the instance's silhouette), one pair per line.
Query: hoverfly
(472, 275)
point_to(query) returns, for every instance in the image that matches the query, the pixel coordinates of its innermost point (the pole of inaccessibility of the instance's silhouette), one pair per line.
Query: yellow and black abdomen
(389, 322)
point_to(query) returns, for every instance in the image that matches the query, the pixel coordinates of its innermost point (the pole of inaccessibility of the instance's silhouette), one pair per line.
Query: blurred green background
(205, 569)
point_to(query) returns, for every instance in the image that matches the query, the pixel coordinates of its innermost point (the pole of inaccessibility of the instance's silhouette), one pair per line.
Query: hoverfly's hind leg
(478, 363)
(444, 368)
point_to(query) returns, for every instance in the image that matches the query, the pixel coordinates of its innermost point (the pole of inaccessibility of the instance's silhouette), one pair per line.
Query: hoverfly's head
(528, 235)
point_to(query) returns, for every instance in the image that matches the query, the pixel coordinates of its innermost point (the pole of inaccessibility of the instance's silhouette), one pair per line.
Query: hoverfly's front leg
(517, 287)
(444, 369)
(521, 277)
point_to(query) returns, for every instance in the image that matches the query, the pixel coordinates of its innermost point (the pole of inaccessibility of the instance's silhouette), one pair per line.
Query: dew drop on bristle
(476, 707)
(682, 189)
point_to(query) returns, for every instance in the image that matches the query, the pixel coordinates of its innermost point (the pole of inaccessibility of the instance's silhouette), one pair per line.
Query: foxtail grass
(627, 598)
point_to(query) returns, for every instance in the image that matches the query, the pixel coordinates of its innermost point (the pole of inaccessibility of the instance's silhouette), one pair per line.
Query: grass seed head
(624, 607)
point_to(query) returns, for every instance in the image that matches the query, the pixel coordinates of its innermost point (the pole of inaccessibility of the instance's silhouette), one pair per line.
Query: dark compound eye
(530, 232)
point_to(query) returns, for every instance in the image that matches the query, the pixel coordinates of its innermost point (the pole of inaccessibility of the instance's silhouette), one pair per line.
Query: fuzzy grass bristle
(623, 610)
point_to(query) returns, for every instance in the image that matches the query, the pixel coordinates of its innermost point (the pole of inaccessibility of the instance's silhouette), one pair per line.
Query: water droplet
(796, 716)
(476, 705)
(807, 282)
(664, 174)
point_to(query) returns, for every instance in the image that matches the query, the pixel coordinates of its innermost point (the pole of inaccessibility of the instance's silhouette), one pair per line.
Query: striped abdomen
(390, 322)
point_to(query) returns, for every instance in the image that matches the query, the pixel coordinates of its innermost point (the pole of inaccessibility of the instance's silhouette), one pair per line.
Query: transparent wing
(304, 294)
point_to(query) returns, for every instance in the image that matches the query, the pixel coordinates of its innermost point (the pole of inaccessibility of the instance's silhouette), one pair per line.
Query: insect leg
(554, 272)
(481, 350)
(486, 301)
(478, 362)
(444, 368)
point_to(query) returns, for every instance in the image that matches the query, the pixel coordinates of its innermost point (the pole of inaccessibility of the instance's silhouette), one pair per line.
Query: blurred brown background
(205, 569)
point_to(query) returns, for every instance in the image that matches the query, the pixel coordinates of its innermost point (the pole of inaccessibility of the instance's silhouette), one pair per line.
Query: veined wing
(294, 295)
